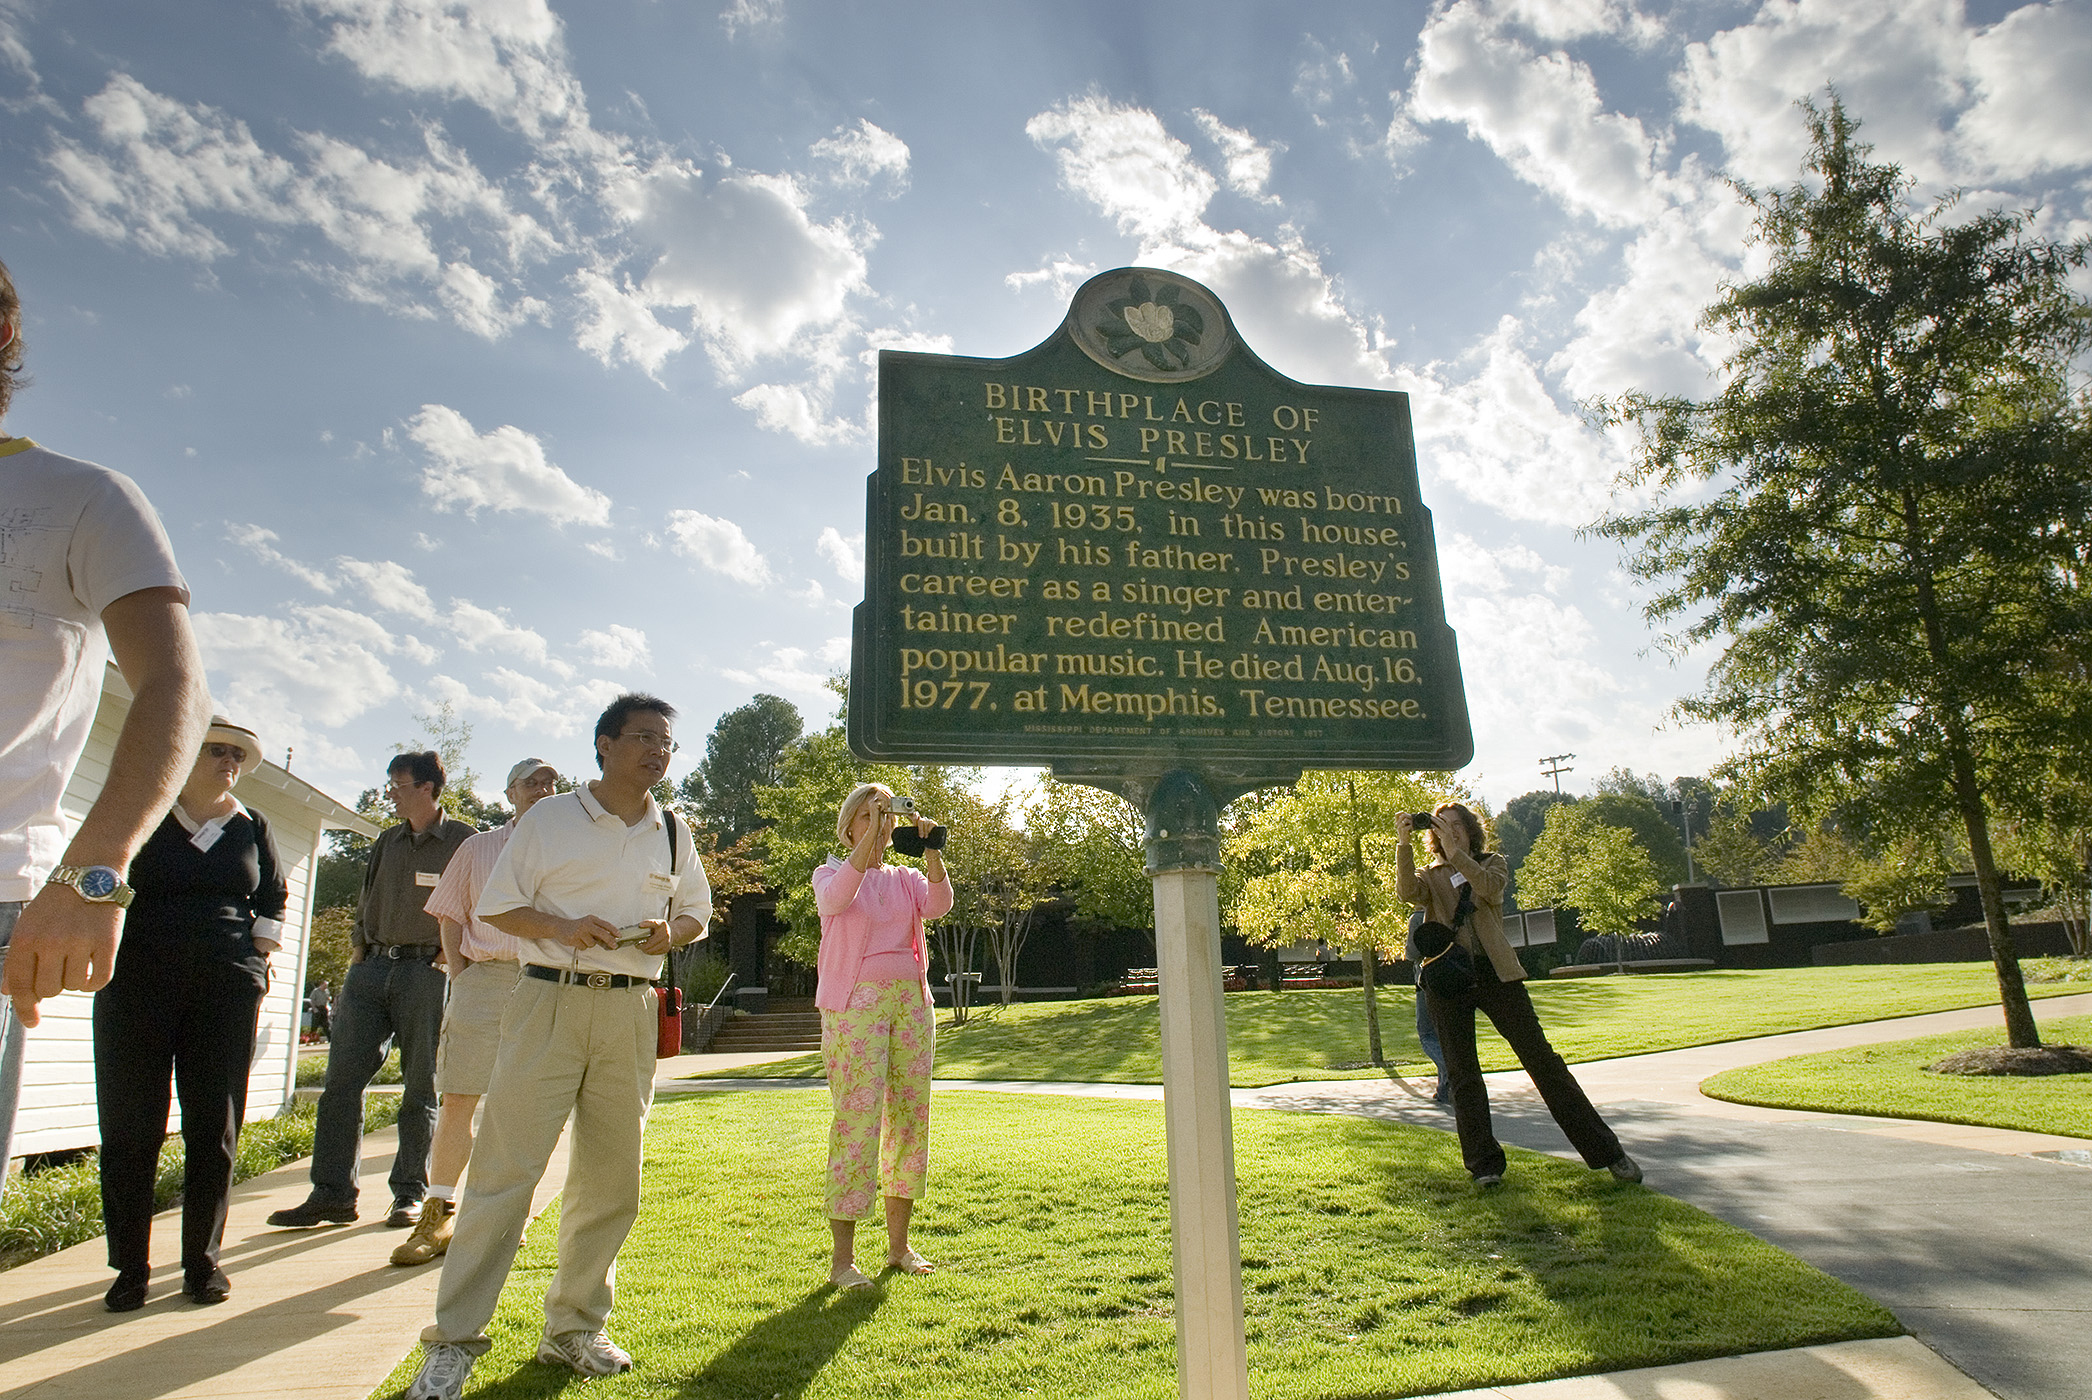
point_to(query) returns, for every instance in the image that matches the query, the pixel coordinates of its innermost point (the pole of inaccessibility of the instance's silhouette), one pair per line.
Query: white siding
(58, 1099)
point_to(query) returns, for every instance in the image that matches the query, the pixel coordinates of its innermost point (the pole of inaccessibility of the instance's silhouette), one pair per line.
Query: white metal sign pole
(1212, 1363)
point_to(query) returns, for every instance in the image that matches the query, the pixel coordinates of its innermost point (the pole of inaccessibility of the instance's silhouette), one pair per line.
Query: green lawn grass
(1274, 1038)
(1370, 1266)
(1889, 1081)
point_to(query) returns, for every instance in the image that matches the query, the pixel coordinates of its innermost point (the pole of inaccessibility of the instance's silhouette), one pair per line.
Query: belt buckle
(598, 980)
(392, 951)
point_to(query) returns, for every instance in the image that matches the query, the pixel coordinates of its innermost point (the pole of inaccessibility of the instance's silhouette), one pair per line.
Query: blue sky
(511, 354)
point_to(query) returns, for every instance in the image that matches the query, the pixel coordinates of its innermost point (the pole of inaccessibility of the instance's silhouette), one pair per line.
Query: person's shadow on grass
(778, 1358)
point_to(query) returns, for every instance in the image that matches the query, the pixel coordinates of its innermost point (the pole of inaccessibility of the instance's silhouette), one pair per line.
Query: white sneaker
(443, 1373)
(584, 1353)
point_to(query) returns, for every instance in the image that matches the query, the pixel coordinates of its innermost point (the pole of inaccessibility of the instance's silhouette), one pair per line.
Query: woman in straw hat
(190, 973)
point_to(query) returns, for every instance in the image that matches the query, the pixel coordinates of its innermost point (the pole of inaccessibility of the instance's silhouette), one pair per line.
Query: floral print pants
(878, 1051)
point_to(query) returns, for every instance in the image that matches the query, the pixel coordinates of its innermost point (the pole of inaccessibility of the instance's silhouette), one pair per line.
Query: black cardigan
(215, 895)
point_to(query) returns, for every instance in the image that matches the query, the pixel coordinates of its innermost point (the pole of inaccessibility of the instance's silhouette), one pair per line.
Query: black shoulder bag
(1446, 969)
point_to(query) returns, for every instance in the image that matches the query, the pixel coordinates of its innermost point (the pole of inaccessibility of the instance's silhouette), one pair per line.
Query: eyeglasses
(543, 783)
(231, 751)
(660, 743)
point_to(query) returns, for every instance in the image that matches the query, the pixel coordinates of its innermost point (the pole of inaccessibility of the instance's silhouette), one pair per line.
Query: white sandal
(847, 1277)
(912, 1263)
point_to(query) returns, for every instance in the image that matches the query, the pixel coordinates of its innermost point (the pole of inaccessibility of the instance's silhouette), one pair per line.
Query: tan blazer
(1432, 890)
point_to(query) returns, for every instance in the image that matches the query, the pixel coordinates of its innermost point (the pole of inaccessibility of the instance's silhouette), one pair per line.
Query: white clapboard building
(58, 1103)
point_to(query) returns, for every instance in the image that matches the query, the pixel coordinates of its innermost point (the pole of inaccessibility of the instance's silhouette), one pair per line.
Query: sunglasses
(231, 751)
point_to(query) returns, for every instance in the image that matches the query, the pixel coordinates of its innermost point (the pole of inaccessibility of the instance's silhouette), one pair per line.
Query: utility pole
(1557, 770)
(1684, 816)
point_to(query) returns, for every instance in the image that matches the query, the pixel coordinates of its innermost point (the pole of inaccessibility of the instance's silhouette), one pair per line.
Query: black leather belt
(596, 980)
(397, 951)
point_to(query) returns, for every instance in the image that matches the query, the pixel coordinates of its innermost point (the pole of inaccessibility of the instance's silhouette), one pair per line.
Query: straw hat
(224, 731)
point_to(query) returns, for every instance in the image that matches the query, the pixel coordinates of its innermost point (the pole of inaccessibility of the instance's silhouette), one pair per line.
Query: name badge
(426, 879)
(206, 837)
(658, 882)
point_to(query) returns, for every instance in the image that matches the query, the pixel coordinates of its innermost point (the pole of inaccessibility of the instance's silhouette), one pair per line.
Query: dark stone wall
(1942, 945)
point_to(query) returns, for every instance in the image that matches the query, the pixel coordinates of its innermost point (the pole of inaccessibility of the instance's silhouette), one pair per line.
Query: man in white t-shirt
(85, 572)
(596, 885)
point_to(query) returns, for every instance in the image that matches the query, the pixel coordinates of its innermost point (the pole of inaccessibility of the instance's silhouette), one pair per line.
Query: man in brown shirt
(393, 989)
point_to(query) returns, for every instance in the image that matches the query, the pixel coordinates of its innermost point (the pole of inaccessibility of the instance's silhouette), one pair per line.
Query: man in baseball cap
(483, 968)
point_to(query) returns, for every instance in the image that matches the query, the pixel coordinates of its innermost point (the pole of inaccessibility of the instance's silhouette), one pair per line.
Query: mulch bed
(2000, 1059)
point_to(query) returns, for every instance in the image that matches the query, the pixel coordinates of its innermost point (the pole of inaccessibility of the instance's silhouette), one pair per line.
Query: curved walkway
(1975, 1243)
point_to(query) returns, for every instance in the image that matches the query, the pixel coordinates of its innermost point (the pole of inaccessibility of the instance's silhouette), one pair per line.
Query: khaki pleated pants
(564, 1050)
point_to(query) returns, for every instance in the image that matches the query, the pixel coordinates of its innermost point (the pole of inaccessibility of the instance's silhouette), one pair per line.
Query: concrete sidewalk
(322, 1315)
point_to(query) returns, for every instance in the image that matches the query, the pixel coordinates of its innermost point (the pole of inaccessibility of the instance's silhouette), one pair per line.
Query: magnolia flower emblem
(1155, 324)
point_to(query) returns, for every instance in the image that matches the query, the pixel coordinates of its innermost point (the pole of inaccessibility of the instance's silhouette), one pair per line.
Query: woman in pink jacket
(878, 1026)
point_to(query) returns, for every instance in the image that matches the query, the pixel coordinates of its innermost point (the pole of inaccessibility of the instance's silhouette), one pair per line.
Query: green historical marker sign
(1138, 542)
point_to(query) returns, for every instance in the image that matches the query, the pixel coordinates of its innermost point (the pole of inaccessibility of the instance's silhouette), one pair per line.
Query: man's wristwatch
(97, 884)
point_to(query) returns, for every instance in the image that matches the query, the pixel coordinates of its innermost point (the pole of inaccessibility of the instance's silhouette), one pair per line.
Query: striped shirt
(456, 896)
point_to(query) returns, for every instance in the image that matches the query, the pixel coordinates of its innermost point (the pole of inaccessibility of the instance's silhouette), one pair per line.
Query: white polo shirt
(570, 858)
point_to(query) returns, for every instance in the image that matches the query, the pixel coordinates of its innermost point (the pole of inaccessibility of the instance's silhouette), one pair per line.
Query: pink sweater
(855, 905)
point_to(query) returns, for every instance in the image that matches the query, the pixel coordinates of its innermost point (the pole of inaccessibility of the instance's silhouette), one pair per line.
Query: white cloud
(1247, 161)
(719, 545)
(1280, 296)
(487, 629)
(618, 324)
(751, 14)
(390, 586)
(530, 704)
(2026, 69)
(262, 544)
(295, 678)
(161, 174)
(863, 153)
(1060, 275)
(504, 470)
(1124, 161)
(1539, 112)
(1500, 438)
(741, 253)
(796, 671)
(1896, 63)
(507, 58)
(844, 552)
(619, 647)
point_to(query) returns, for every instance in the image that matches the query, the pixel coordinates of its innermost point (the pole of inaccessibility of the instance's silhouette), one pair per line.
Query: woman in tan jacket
(1463, 860)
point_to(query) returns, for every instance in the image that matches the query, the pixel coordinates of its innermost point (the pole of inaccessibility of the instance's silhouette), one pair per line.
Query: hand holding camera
(920, 836)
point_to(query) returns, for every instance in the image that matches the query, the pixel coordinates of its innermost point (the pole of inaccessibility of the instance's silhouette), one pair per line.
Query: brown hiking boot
(431, 1233)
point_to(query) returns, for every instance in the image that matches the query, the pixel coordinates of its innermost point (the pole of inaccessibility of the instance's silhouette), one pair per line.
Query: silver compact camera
(904, 804)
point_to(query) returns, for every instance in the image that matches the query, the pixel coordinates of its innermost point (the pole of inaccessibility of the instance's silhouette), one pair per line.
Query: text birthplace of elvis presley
(1139, 540)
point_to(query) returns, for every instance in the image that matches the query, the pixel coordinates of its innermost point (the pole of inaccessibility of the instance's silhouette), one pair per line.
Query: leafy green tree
(1730, 851)
(1600, 870)
(745, 751)
(816, 774)
(1518, 826)
(1325, 852)
(1882, 518)
(327, 959)
(1653, 826)
(2055, 847)
(1091, 845)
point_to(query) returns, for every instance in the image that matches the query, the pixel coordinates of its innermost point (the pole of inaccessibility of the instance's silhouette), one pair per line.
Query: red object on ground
(670, 1040)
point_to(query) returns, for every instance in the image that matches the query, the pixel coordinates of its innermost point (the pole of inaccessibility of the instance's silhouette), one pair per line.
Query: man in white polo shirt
(483, 967)
(597, 884)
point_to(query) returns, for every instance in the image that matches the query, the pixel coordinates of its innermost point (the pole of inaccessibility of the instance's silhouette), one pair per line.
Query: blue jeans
(380, 998)
(11, 1044)
(1427, 1036)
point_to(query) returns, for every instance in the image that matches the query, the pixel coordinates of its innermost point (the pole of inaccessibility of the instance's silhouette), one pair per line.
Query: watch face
(98, 882)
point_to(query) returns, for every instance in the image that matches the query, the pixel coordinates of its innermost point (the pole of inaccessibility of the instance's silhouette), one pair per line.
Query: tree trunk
(2020, 1030)
(1366, 961)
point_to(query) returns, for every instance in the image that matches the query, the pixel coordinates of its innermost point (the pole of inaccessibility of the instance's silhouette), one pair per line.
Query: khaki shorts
(472, 1026)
